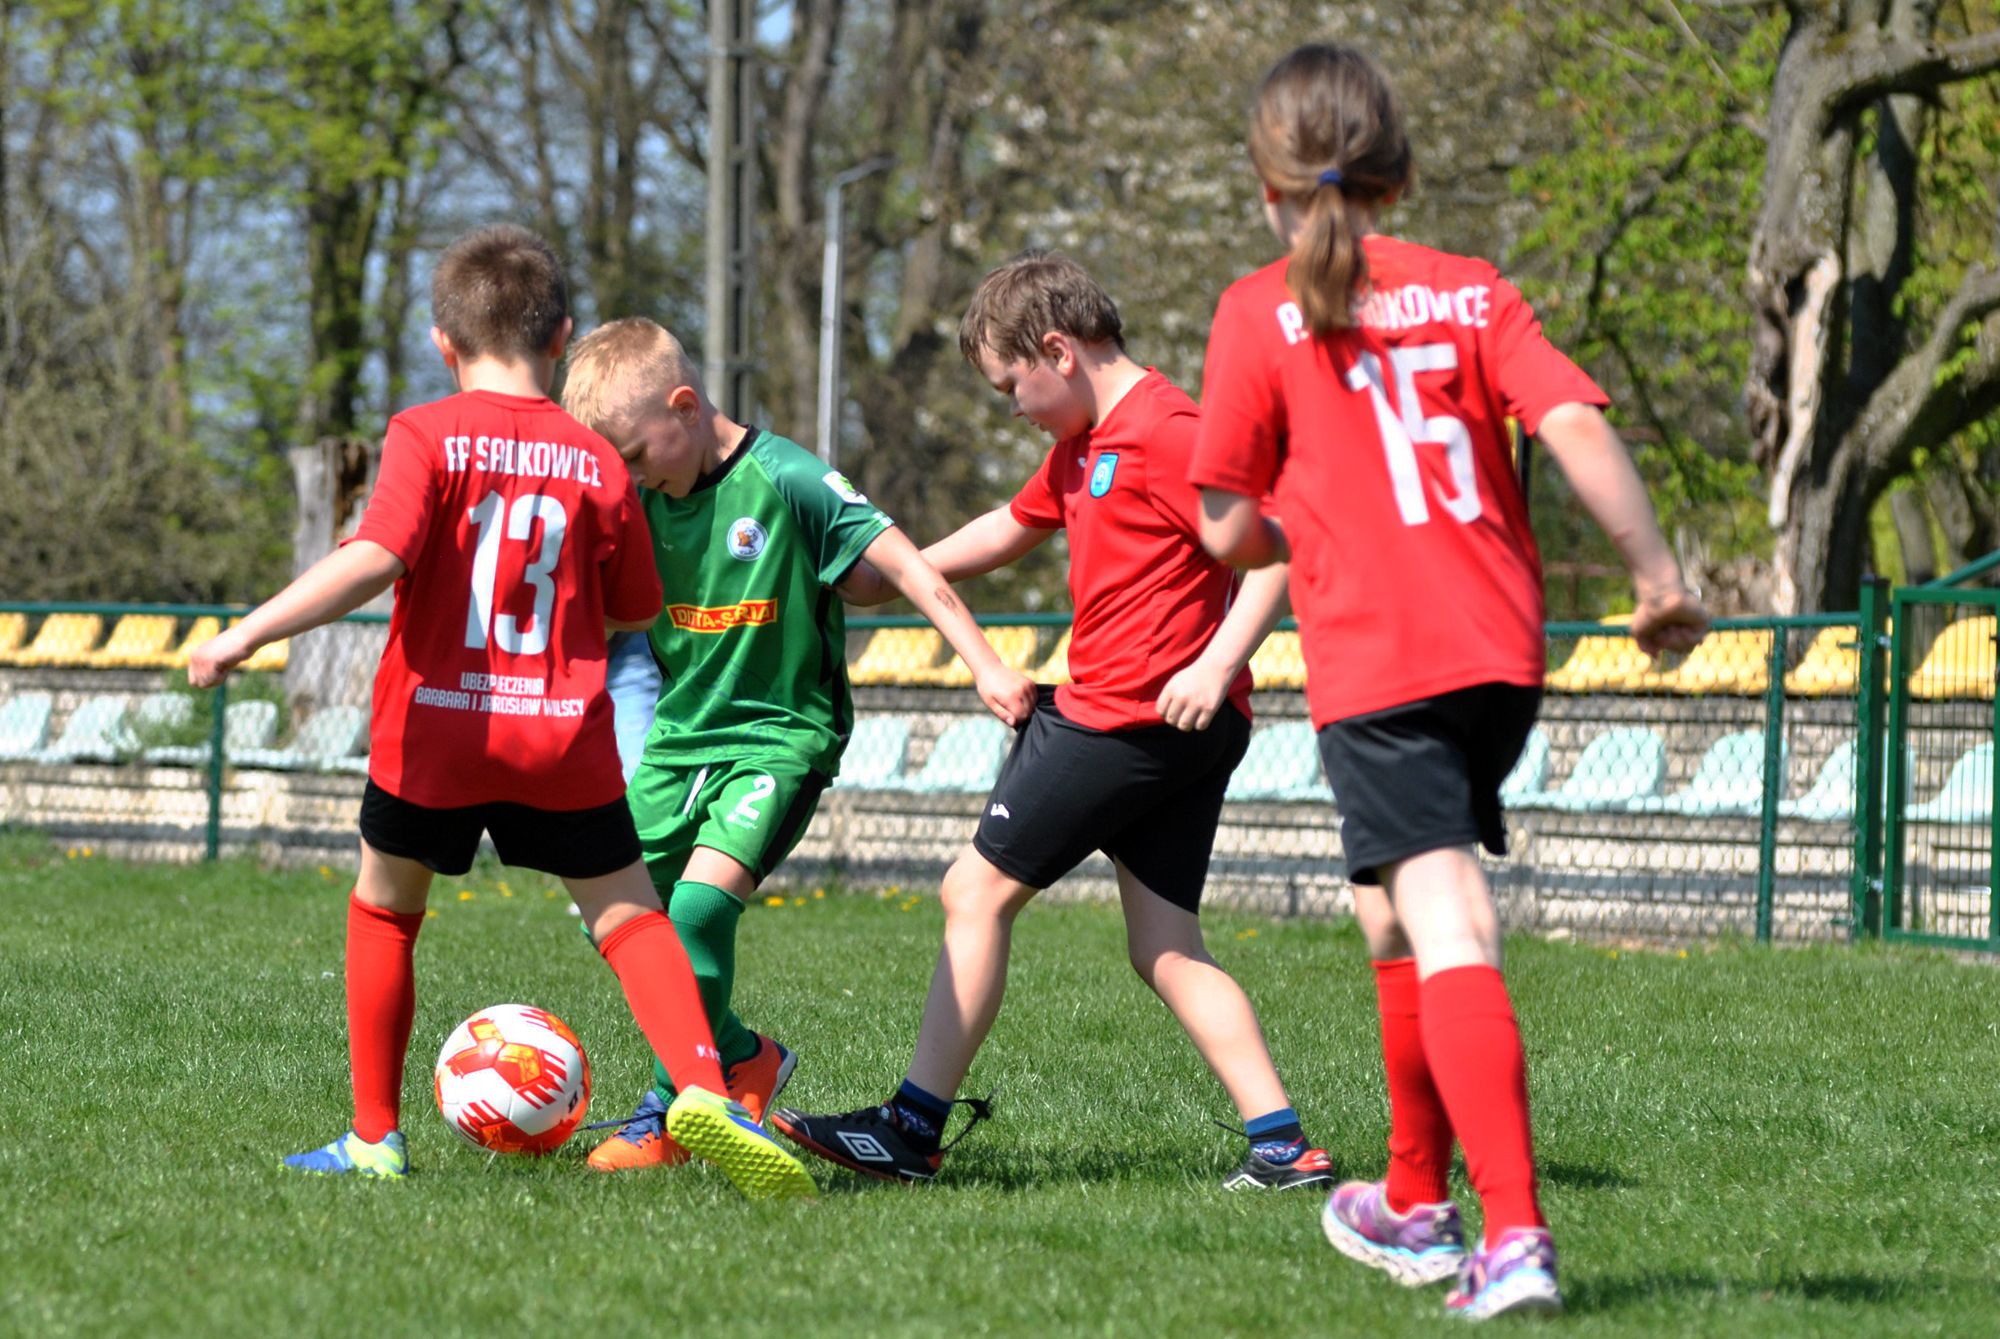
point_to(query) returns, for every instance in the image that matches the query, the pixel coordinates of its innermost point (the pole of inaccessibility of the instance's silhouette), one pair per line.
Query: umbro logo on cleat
(999, 811)
(866, 1147)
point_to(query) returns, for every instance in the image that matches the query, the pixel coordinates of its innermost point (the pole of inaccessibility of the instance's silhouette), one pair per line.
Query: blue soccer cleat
(351, 1154)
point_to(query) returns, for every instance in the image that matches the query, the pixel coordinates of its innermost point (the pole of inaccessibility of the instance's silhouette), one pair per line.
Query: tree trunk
(334, 664)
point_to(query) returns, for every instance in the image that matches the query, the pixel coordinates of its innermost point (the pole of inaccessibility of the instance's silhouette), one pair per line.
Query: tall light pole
(830, 304)
(731, 285)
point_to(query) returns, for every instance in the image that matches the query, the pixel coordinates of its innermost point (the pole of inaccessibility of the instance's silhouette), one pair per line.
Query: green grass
(1739, 1141)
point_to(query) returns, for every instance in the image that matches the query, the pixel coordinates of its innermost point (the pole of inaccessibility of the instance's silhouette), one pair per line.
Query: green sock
(705, 918)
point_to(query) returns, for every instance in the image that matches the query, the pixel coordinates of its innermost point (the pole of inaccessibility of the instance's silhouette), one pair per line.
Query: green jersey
(752, 642)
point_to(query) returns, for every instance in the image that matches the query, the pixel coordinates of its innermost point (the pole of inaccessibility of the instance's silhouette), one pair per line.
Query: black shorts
(568, 843)
(1426, 776)
(1148, 797)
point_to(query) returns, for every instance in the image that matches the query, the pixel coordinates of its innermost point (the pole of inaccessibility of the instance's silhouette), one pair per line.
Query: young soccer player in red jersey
(1365, 381)
(514, 538)
(1131, 757)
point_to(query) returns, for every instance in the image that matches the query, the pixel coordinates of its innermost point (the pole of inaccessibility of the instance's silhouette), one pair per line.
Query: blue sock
(924, 1114)
(1277, 1137)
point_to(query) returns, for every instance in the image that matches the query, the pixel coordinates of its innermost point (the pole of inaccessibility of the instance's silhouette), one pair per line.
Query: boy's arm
(983, 544)
(1008, 694)
(630, 625)
(1599, 469)
(1193, 696)
(337, 584)
(1235, 530)
(974, 549)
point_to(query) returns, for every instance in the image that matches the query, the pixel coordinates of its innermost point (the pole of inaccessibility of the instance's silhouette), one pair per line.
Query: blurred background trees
(1769, 229)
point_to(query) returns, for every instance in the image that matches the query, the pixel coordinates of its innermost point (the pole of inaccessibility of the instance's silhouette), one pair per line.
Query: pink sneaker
(1516, 1273)
(1425, 1245)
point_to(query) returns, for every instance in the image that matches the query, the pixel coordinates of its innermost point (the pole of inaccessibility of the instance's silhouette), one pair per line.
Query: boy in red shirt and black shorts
(1131, 757)
(1366, 381)
(514, 538)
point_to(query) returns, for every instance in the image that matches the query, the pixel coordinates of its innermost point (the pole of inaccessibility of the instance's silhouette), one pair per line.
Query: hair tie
(1331, 177)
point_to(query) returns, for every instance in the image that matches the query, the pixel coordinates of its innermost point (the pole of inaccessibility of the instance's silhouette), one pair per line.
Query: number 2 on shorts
(746, 811)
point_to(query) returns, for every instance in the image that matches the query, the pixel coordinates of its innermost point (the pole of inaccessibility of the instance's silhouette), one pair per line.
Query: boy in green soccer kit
(754, 538)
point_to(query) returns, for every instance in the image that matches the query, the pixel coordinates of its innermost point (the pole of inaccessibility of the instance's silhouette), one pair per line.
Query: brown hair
(622, 369)
(1032, 294)
(1326, 133)
(499, 290)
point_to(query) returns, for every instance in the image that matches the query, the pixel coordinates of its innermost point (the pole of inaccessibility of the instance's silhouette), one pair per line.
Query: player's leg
(1437, 768)
(1160, 832)
(1166, 948)
(595, 852)
(1473, 1044)
(402, 845)
(1405, 1223)
(1029, 835)
(902, 1140)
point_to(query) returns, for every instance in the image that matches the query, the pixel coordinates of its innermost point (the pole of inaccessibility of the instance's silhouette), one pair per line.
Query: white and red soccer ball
(513, 1079)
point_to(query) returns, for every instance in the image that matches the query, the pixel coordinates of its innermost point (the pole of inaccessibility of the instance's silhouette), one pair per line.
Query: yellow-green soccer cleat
(713, 1127)
(351, 1155)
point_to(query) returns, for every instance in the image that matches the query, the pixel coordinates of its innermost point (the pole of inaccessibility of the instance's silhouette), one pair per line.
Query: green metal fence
(1736, 790)
(1942, 823)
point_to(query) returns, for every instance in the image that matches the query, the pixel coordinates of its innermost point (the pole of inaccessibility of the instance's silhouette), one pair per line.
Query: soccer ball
(513, 1079)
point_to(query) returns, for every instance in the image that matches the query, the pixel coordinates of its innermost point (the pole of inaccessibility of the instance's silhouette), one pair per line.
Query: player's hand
(1193, 696)
(1008, 694)
(1670, 619)
(217, 656)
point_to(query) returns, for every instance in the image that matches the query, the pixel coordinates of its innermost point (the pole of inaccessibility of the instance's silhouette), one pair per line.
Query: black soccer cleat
(1312, 1168)
(873, 1140)
(870, 1141)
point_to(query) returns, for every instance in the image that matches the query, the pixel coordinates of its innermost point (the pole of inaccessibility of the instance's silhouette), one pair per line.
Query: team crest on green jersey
(746, 538)
(1100, 478)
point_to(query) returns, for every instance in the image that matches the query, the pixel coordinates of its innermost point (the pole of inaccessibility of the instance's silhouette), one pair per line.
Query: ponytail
(1327, 136)
(1329, 267)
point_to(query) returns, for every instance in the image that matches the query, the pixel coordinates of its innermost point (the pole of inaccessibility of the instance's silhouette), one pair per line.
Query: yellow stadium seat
(1014, 645)
(1831, 666)
(198, 632)
(1959, 663)
(138, 641)
(898, 655)
(1280, 662)
(1056, 668)
(1735, 661)
(1606, 664)
(13, 631)
(63, 639)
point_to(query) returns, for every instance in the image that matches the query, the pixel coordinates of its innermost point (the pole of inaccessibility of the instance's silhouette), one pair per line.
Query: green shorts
(754, 812)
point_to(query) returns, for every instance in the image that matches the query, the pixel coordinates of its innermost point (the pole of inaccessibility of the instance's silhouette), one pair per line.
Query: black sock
(922, 1116)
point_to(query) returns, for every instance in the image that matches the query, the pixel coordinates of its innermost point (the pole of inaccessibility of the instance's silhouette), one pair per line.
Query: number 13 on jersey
(1404, 426)
(507, 631)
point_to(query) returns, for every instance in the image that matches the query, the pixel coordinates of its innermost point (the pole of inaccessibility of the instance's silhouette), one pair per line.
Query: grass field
(1740, 1141)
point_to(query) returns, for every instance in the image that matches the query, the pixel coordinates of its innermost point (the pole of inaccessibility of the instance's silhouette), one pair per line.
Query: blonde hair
(1326, 134)
(621, 370)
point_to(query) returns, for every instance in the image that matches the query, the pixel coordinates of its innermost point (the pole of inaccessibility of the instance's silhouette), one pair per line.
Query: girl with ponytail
(1354, 422)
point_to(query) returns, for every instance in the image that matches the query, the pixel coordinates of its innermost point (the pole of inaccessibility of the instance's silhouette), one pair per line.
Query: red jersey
(1147, 596)
(1414, 570)
(521, 534)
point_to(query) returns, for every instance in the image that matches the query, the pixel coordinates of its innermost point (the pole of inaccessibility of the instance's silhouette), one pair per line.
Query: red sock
(660, 987)
(381, 1002)
(1419, 1130)
(1474, 1048)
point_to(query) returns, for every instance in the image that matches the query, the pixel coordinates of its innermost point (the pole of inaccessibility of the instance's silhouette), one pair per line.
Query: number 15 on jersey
(1404, 426)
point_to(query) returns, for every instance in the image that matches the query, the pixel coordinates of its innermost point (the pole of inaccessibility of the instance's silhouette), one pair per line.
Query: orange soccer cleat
(642, 1139)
